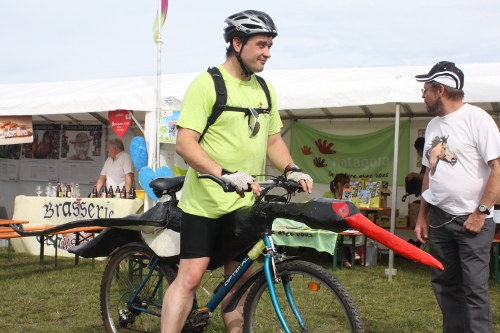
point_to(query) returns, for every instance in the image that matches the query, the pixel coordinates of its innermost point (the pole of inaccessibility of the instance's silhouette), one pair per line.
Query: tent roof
(302, 94)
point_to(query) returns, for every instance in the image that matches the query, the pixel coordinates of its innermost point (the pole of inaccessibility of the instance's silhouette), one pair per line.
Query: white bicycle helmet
(249, 23)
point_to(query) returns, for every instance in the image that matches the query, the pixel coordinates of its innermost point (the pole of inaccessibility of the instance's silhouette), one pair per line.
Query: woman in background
(337, 186)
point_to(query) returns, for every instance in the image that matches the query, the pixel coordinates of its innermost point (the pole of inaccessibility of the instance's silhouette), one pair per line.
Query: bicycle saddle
(167, 186)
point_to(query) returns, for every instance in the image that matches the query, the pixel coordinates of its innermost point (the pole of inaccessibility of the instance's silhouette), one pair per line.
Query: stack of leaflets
(364, 199)
(375, 188)
(355, 186)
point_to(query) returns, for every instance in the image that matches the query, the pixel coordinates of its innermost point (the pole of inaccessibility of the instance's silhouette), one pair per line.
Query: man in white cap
(460, 187)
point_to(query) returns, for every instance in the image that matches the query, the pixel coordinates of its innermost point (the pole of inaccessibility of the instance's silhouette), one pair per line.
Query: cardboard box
(387, 212)
(384, 196)
(384, 221)
(413, 209)
(402, 221)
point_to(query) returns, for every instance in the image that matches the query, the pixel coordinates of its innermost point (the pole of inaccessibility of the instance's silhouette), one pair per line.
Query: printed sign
(16, 130)
(120, 121)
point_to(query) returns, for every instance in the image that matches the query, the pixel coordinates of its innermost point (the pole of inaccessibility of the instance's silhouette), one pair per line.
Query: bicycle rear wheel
(323, 303)
(124, 273)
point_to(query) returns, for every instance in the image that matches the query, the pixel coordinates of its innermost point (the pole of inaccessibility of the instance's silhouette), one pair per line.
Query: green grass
(66, 298)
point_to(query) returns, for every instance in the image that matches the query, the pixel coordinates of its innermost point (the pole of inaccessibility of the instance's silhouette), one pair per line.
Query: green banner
(371, 155)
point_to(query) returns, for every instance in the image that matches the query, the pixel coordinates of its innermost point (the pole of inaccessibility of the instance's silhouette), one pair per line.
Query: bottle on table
(123, 193)
(104, 192)
(94, 192)
(117, 192)
(131, 194)
(110, 193)
(69, 190)
(59, 191)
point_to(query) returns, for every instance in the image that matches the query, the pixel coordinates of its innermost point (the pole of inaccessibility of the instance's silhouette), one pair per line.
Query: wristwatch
(483, 209)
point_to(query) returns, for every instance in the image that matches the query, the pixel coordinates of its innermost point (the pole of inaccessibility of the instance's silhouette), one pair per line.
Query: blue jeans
(462, 288)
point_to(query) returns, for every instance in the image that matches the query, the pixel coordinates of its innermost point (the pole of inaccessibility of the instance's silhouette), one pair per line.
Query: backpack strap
(221, 99)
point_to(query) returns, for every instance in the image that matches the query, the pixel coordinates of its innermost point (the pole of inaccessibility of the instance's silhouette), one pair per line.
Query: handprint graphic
(319, 162)
(306, 150)
(324, 147)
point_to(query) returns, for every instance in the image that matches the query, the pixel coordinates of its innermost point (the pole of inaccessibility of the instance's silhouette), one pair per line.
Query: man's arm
(280, 157)
(129, 182)
(491, 195)
(100, 182)
(189, 149)
(422, 226)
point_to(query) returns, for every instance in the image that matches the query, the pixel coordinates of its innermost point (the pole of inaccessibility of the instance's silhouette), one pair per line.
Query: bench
(51, 239)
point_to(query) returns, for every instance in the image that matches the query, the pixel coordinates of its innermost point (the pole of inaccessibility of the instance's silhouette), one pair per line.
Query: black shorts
(199, 234)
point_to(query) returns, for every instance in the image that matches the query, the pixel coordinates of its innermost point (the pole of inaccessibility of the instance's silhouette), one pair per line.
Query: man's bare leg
(178, 300)
(234, 320)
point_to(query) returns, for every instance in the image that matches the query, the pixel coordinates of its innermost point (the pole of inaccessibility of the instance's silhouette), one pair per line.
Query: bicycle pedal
(198, 318)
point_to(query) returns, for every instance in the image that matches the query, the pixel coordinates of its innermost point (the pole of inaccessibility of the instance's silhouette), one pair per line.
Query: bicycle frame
(265, 244)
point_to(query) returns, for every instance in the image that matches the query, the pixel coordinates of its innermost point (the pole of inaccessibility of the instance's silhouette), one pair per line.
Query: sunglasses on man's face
(253, 122)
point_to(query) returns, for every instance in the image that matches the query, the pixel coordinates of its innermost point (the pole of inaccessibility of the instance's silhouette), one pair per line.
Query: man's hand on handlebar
(303, 179)
(241, 182)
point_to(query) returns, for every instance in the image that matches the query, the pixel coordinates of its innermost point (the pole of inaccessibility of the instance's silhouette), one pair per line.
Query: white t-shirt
(116, 170)
(457, 149)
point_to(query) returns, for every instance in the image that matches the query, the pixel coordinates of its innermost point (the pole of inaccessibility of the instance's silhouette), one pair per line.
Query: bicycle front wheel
(321, 302)
(125, 272)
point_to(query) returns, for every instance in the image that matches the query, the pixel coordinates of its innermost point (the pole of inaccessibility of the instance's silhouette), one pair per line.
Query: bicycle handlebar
(279, 181)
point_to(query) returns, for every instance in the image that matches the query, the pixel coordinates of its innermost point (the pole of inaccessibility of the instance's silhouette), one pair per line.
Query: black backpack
(221, 99)
(413, 186)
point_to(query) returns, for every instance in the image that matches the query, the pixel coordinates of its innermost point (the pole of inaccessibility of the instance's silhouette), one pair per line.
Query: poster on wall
(40, 158)
(168, 126)
(9, 161)
(81, 149)
(16, 130)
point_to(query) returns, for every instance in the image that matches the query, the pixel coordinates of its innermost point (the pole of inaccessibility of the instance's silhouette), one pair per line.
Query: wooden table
(352, 236)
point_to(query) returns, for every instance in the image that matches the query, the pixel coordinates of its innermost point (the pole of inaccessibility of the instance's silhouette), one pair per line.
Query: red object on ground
(373, 231)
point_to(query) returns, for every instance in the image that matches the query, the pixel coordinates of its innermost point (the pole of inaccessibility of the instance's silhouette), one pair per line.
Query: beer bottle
(131, 194)
(59, 191)
(104, 192)
(117, 192)
(68, 191)
(94, 192)
(123, 193)
(110, 193)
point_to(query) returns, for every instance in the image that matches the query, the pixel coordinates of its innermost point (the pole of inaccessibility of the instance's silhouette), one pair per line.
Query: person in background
(236, 141)
(118, 169)
(461, 185)
(337, 185)
(419, 146)
(81, 145)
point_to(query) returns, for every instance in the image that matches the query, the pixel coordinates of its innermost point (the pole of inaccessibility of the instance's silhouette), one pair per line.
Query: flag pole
(156, 159)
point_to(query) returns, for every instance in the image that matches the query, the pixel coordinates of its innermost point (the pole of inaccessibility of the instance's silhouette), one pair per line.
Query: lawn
(66, 298)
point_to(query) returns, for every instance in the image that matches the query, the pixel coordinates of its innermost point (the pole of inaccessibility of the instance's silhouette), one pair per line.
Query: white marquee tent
(387, 92)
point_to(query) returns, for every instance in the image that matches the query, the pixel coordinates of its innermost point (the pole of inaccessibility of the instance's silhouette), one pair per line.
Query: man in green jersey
(238, 140)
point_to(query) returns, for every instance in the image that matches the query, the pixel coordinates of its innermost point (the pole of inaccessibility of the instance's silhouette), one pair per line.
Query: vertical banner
(323, 155)
(40, 159)
(16, 130)
(81, 149)
(168, 128)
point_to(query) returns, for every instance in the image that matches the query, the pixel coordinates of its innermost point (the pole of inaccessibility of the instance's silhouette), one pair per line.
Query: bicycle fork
(273, 278)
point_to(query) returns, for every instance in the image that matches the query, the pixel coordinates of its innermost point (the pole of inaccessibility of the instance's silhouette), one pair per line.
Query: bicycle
(310, 298)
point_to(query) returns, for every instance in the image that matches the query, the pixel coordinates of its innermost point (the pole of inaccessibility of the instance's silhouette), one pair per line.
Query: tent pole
(394, 186)
(158, 91)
